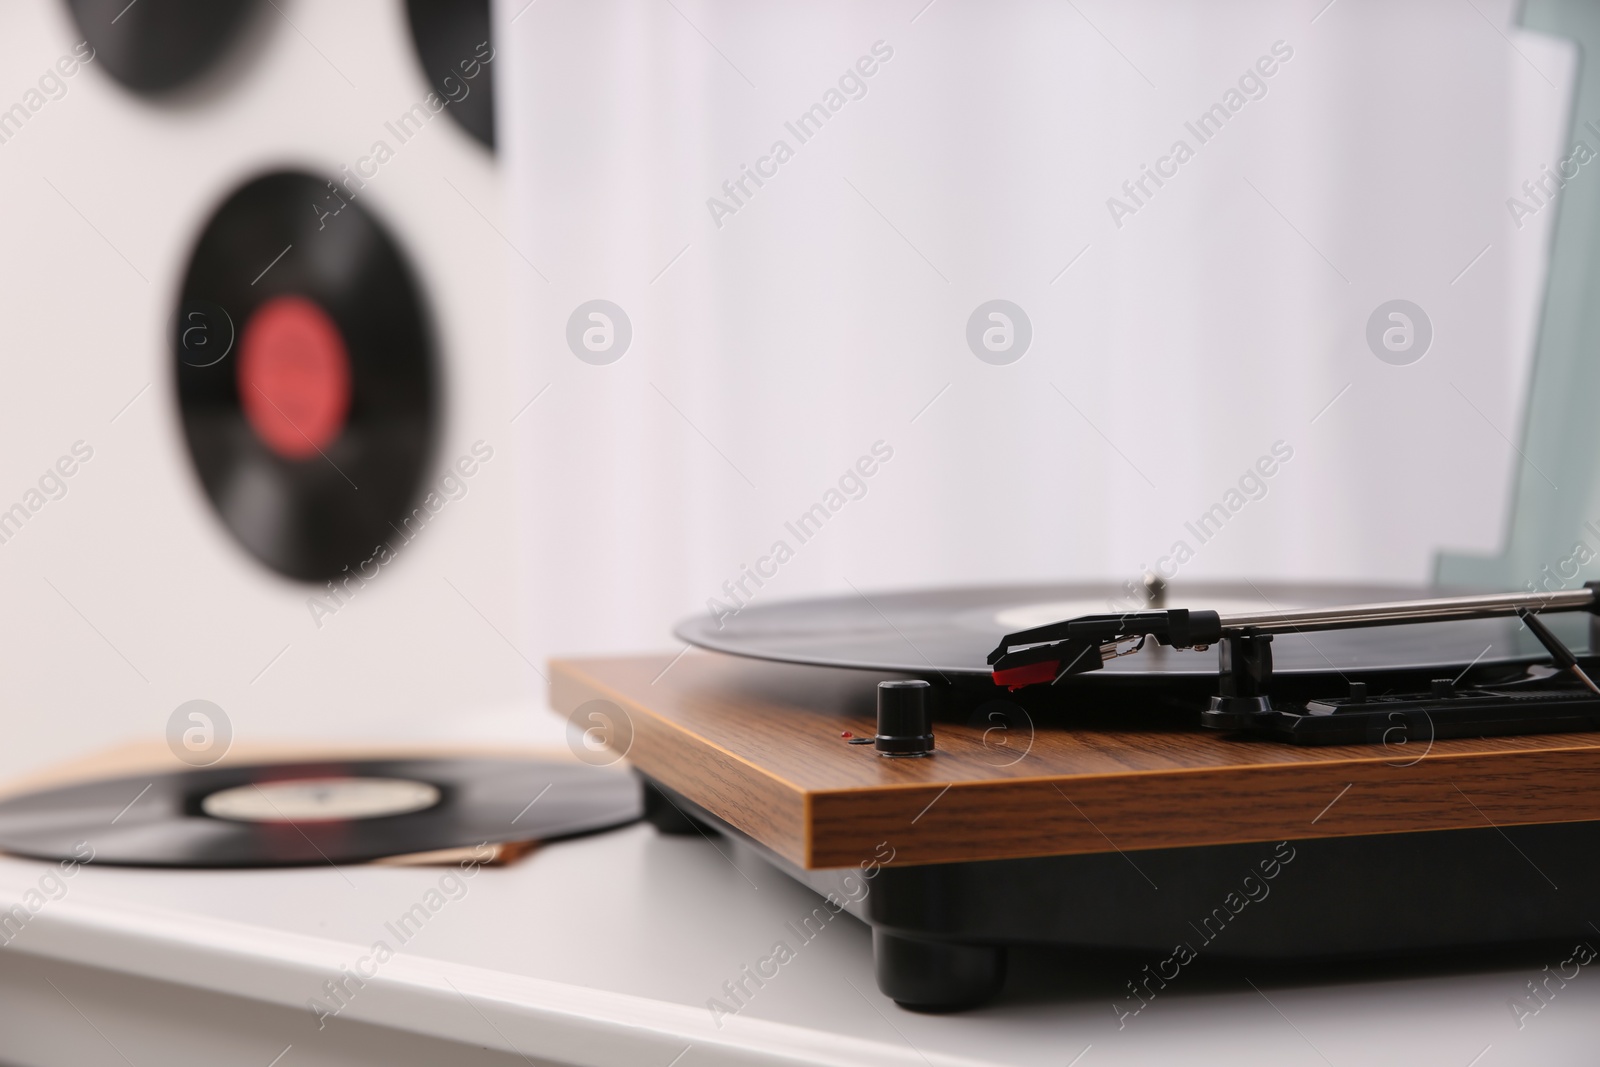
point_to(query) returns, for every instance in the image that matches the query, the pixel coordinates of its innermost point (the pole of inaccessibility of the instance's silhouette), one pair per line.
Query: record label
(320, 800)
(294, 377)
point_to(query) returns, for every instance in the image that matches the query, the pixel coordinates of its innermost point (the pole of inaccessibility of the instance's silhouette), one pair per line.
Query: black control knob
(905, 721)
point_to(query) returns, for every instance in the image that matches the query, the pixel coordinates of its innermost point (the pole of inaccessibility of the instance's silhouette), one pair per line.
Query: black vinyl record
(154, 46)
(293, 815)
(306, 375)
(949, 633)
(455, 48)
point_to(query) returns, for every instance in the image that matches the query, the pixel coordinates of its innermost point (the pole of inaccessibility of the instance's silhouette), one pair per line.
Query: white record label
(320, 799)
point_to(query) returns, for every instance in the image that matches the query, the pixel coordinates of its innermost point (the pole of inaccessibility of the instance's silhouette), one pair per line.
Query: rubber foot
(936, 976)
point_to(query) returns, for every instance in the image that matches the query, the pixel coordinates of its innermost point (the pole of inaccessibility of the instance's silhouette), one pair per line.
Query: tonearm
(1044, 655)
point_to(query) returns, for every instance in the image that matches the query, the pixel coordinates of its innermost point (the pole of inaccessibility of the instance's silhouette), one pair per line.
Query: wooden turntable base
(759, 745)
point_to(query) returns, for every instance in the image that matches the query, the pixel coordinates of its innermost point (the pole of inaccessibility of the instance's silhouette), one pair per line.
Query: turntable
(1253, 771)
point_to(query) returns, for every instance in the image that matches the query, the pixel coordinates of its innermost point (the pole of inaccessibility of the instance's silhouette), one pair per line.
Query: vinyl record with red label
(454, 45)
(156, 46)
(307, 382)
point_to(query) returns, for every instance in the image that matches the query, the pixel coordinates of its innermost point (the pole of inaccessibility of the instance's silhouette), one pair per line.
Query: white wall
(828, 311)
(156, 604)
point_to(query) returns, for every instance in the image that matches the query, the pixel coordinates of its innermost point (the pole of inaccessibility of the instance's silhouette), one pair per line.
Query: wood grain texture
(759, 745)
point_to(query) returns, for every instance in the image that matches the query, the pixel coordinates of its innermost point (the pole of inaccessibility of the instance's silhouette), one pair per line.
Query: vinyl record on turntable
(949, 632)
(155, 46)
(306, 374)
(287, 815)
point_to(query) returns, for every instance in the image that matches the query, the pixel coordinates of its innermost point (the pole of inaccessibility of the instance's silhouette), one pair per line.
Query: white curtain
(1210, 328)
